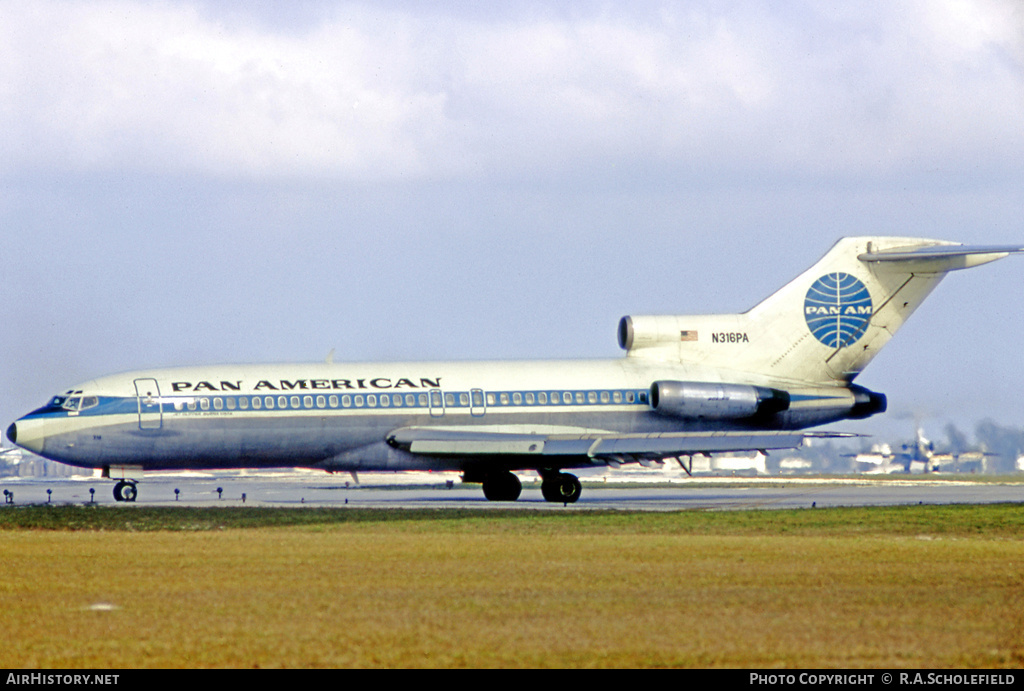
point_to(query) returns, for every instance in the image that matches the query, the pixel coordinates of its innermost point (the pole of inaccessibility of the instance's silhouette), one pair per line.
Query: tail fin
(824, 326)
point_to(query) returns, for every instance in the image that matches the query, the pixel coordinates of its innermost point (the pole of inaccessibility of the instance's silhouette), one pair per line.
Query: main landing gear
(125, 490)
(502, 487)
(561, 488)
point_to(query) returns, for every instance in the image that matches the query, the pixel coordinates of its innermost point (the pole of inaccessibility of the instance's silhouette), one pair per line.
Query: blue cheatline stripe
(434, 399)
(423, 400)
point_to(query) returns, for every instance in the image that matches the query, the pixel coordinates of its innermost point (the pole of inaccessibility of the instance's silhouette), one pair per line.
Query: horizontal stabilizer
(941, 257)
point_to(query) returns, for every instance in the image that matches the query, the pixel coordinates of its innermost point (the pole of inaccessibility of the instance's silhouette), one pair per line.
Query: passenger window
(566, 397)
(321, 402)
(256, 403)
(397, 399)
(204, 403)
(542, 398)
(269, 402)
(282, 401)
(463, 399)
(231, 403)
(604, 397)
(385, 400)
(490, 399)
(333, 401)
(307, 401)
(517, 398)
(629, 397)
(359, 401)
(591, 397)
(192, 404)
(346, 401)
(294, 401)
(422, 398)
(617, 397)
(218, 404)
(504, 399)
(243, 403)
(410, 400)
(529, 399)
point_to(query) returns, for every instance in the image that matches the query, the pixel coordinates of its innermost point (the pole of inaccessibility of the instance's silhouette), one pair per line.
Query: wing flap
(439, 441)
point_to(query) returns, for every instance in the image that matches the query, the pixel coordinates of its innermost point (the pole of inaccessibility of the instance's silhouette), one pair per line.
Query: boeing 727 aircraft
(687, 385)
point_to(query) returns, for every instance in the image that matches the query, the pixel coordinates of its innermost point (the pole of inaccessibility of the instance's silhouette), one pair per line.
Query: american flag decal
(687, 335)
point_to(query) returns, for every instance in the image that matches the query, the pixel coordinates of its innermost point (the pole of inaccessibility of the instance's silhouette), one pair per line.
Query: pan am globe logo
(837, 309)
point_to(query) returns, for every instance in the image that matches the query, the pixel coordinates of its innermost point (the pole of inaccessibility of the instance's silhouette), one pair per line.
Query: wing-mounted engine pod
(686, 399)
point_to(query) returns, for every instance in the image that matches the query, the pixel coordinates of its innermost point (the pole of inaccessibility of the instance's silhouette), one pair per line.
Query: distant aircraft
(917, 456)
(687, 385)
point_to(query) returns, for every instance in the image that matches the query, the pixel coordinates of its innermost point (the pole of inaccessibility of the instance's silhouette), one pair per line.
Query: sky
(210, 182)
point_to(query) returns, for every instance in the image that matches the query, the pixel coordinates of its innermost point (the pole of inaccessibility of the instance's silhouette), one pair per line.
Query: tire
(502, 487)
(563, 488)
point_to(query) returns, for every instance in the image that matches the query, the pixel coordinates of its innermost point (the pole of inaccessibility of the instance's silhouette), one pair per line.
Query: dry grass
(752, 589)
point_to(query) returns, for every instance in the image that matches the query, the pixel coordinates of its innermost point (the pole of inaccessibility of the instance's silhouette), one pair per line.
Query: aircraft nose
(28, 433)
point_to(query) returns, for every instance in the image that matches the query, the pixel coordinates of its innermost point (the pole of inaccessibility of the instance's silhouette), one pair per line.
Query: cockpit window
(89, 402)
(57, 401)
(71, 403)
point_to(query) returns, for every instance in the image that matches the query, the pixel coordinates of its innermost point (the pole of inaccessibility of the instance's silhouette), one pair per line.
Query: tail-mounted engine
(687, 399)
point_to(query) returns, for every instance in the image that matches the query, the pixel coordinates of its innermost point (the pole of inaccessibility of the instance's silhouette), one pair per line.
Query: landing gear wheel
(129, 492)
(125, 491)
(562, 488)
(502, 487)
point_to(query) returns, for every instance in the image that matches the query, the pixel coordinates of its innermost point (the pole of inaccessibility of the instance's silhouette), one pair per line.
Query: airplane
(687, 385)
(919, 455)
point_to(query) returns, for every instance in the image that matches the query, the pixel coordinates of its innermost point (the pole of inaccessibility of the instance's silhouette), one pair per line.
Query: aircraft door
(477, 405)
(151, 412)
(436, 403)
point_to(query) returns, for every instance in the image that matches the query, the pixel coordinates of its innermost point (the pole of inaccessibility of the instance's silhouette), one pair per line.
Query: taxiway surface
(332, 491)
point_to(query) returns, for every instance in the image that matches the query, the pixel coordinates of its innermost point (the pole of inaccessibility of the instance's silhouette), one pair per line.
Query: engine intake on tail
(687, 399)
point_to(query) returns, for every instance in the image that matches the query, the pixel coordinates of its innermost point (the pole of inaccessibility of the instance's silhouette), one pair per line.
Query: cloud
(362, 93)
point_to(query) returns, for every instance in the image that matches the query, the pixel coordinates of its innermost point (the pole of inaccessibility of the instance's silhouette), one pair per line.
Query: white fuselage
(336, 415)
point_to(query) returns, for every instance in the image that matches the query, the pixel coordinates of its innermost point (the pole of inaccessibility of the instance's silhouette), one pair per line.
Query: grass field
(922, 586)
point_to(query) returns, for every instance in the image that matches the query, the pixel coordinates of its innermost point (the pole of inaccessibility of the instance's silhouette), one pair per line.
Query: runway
(387, 491)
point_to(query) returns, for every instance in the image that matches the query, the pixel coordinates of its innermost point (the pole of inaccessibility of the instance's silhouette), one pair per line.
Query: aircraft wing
(600, 447)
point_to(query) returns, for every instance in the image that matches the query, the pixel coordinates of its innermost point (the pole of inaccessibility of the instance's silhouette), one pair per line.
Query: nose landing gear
(125, 490)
